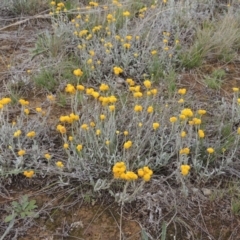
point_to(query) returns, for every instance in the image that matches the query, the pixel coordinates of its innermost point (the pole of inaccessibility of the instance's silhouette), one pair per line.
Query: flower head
(79, 147)
(147, 84)
(210, 150)
(31, 134)
(185, 169)
(138, 108)
(182, 91)
(201, 133)
(184, 151)
(155, 125)
(127, 144)
(70, 89)
(117, 70)
(59, 164)
(173, 119)
(78, 72)
(17, 133)
(21, 152)
(146, 173)
(28, 173)
(47, 156)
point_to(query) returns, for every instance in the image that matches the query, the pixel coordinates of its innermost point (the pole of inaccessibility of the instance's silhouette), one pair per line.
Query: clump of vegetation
(125, 123)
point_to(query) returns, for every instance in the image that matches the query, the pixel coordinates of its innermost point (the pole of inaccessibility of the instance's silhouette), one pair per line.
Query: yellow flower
(5, 101)
(118, 169)
(70, 138)
(80, 87)
(98, 132)
(155, 125)
(28, 173)
(65, 145)
(127, 144)
(128, 37)
(185, 151)
(147, 84)
(130, 81)
(95, 94)
(117, 132)
(126, 14)
(201, 112)
(70, 89)
(201, 133)
(21, 152)
(210, 150)
(112, 99)
(125, 133)
(138, 108)
(235, 89)
(53, 3)
(238, 131)
(185, 169)
(92, 124)
(61, 129)
(182, 117)
(140, 124)
(110, 18)
(183, 134)
(197, 121)
(112, 108)
(47, 156)
(154, 91)
(38, 109)
(181, 100)
(145, 173)
(137, 94)
(182, 91)
(117, 70)
(59, 164)
(78, 72)
(127, 45)
(173, 119)
(50, 98)
(187, 112)
(150, 109)
(129, 175)
(17, 133)
(79, 147)
(153, 52)
(84, 126)
(89, 61)
(31, 134)
(103, 87)
(23, 102)
(107, 142)
(102, 117)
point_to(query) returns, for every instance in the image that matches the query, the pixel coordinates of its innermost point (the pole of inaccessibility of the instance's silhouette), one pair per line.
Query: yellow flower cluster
(127, 144)
(17, 133)
(23, 102)
(31, 134)
(119, 172)
(117, 70)
(28, 173)
(21, 152)
(184, 151)
(69, 118)
(4, 101)
(59, 164)
(185, 169)
(61, 129)
(146, 173)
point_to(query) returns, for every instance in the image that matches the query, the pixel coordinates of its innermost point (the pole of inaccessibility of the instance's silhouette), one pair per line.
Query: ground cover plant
(101, 110)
